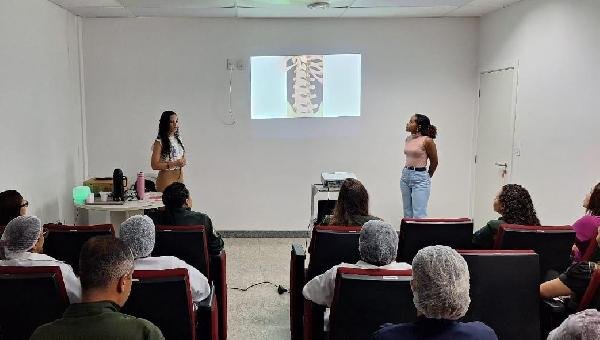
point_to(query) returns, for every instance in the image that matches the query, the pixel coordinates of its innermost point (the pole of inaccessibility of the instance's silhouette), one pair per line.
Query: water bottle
(140, 185)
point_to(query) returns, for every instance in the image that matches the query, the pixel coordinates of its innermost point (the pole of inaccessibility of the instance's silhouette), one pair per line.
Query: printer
(334, 180)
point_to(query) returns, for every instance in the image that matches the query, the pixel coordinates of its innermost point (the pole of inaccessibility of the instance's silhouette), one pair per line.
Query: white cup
(90, 198)
(104, 196)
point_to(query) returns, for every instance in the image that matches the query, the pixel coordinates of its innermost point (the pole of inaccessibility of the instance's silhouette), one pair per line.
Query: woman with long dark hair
(415, 183)
(515, 206)
(352, 206)
(12, 205)
(168, 152)
(586, 228)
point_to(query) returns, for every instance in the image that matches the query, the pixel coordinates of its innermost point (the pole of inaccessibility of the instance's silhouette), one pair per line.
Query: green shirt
(484, 237)
(97, 320)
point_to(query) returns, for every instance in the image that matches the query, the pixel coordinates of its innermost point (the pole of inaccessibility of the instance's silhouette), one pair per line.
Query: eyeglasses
(45, 232)
(24, 204)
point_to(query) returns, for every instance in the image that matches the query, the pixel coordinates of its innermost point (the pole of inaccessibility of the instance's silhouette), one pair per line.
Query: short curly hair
(517, 206)
(175, 195)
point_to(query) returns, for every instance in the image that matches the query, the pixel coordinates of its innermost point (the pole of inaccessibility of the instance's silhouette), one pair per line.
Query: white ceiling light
(318, 4)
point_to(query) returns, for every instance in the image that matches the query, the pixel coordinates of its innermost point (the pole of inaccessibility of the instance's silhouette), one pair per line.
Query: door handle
(505, 165)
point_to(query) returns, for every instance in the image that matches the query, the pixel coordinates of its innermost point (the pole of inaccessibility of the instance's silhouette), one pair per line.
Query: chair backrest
(188, 243)
(591, 297)
(163, 297)
(552, 244)
(591, 251)
(365, 299)
(505, 291)
(64, 242)
(332, 245)
(29, 298)
(416, 234)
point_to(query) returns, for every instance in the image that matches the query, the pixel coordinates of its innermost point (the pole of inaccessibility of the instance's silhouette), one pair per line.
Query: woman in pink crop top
(415, 182)
(586, 228)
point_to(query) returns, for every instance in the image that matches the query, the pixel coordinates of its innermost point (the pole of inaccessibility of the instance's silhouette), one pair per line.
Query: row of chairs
(188, 243)
(332, 245)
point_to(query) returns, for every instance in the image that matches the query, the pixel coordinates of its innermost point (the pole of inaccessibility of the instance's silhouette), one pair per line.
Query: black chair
(189, 243)
(29, 298)
(329, 246)
(163, 297)
(505, 291)
(64, 242)
(552, 244)
(416, 234)
(365, 299)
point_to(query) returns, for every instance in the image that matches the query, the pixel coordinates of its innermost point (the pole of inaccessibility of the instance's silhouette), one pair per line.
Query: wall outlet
(236, 64)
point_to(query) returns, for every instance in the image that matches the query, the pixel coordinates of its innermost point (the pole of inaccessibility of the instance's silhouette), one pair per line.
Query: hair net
(138, 233)
(583, 325)
(378, 243)
(21, 233)
(440, 283)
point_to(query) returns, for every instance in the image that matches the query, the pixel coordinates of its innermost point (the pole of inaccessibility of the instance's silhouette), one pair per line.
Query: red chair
(591, 297)
(329, 246)
(29, 298)
(363, 301)
(189, 243)
(552, 244)
(153, 290)
(416, 234)
(590, 253)
(64, 242)
(504, 291)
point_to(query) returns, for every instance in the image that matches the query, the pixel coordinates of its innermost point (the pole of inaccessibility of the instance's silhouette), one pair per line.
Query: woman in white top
(138, 232)
(22, 244)
(168, 152)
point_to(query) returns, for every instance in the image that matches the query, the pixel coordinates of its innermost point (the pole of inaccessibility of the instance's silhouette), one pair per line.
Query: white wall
(557, 46)
(257, 174)
(40, 107)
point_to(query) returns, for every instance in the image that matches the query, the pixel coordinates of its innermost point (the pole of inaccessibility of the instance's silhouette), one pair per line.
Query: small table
(118, 213)
(316, 189)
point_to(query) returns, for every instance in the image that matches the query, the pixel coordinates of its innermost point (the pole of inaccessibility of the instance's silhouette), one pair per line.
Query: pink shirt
(414, 150)
(586, 229)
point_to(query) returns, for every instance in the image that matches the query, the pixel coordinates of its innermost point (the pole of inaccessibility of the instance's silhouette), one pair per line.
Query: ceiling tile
(408, 3)
(287, 3)
(87, 3)
(184, 12)
(102, 12)
(178, 3)
(289, 12)
(403, 12)
(472, 11)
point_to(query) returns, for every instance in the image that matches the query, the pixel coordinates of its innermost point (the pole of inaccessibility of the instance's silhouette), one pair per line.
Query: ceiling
(281, 8)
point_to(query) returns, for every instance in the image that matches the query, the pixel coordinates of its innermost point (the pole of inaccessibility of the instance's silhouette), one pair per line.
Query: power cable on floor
(280, 289)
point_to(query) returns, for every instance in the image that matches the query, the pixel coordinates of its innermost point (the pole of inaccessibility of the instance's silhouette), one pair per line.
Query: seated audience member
(514, 205)
(440, 285)
(22, 245)
(586, 228)
(12, 205)
(178, 204)
(581, 326)
(352, 206)
(573, 282)
(138, 233)
(105, 266)
(378, 246)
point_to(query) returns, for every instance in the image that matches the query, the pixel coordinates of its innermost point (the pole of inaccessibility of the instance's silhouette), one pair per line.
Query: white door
(495, 135)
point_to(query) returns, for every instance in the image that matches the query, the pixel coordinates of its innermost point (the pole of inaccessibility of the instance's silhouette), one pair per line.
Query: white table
(117, 213)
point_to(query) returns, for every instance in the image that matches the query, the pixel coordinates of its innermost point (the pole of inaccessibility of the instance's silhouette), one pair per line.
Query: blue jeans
(415, 187)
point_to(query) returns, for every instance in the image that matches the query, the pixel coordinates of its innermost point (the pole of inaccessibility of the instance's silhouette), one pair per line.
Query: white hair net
(440, 283)
(21, 233)
(583, 325)
(138, 233)
(378, 243)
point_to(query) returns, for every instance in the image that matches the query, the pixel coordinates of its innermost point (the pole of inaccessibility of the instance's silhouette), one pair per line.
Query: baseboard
(264, 233)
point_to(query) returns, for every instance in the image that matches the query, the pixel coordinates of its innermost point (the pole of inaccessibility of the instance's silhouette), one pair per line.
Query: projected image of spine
(304, 85)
